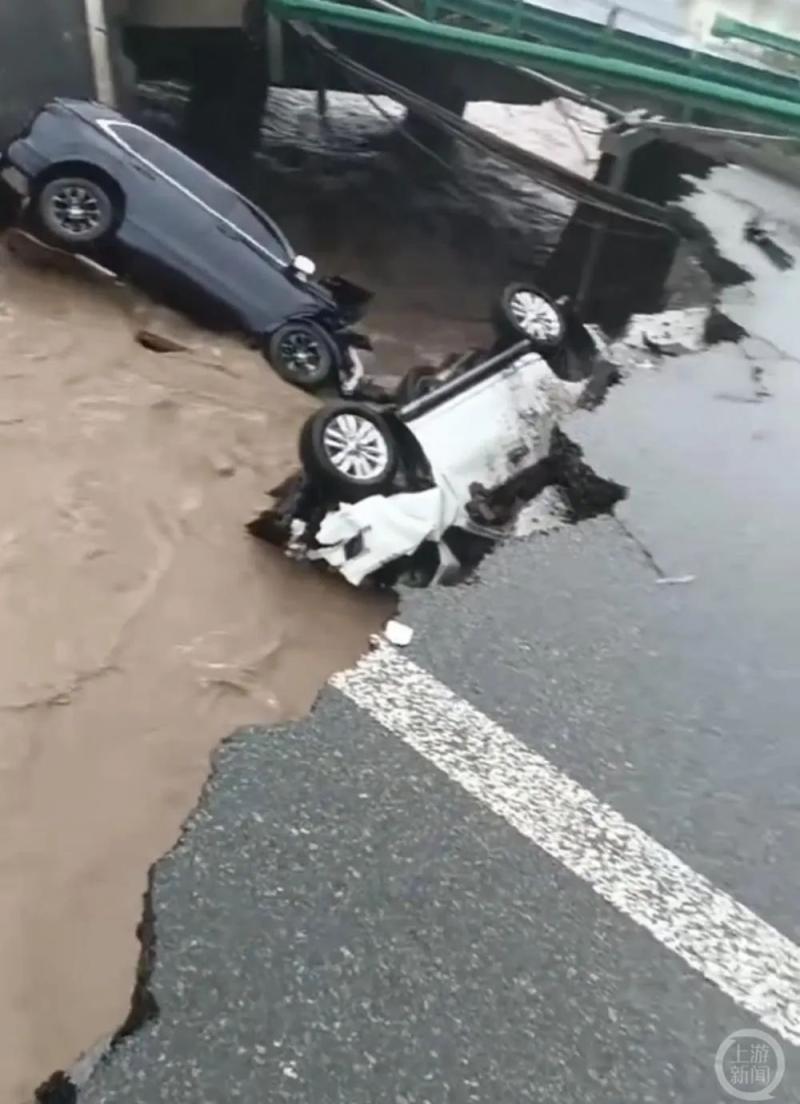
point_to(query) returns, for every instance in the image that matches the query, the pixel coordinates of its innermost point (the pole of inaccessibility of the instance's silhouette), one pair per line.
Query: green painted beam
(511, 51)
(571, 32)
(732, 28)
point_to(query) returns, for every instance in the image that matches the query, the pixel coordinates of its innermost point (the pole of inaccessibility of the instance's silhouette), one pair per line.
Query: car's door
(174, 230)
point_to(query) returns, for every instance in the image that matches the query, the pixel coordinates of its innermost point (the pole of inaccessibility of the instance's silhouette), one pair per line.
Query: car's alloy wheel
(303, 354)
(349, 450)
(535, 315)
(524, 311)
(356, 447)
(75, 211)
(301, 351)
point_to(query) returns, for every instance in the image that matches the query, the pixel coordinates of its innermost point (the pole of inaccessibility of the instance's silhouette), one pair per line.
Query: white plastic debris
(388, 528)
(397, 633)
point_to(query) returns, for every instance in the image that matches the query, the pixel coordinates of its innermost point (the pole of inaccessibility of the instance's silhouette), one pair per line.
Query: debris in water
(758, 234)
(677, 580)
(159, 343)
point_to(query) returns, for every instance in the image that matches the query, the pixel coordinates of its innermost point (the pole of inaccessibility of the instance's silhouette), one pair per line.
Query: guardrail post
(610, 28)
(516, 16)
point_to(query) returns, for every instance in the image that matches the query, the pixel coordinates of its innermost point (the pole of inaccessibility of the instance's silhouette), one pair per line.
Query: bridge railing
(757, 36)
(521, 19)
(740, 92)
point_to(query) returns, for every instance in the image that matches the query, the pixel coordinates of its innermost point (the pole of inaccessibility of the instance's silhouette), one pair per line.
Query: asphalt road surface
(549, 852)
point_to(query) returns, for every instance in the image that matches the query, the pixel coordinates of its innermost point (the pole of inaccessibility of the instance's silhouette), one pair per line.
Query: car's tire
(526, 312)
(350, 450)
(75, 212)
(303, 354)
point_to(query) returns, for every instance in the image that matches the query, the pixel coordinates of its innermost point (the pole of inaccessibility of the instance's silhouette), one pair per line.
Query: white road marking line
(738, 951)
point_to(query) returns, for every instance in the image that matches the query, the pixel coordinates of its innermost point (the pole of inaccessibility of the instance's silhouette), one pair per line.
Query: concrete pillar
(45, 54)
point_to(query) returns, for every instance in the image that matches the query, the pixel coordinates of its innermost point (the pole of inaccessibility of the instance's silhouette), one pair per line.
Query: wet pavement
(341, 921)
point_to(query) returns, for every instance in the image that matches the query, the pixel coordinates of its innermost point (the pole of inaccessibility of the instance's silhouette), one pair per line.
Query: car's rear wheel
(349, 449)
(303, 354)
(525, 311)
(75, 212)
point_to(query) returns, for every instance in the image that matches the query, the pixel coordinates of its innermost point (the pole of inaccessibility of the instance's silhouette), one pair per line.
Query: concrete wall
(43, 53)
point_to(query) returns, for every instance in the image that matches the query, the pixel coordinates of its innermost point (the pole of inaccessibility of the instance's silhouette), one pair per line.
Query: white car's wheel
(350, 449)
(527, 312)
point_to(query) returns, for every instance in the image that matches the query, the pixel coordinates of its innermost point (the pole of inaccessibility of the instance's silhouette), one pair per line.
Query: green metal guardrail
(514, 51)
(759, 36)
(519, 19)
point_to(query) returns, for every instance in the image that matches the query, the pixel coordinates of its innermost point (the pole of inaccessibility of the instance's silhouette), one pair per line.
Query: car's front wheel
(525, 311)
(303, 354)
(350, 449)
(74, 212)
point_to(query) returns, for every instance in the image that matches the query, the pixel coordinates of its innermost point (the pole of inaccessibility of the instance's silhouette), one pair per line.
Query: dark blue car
(95, 183)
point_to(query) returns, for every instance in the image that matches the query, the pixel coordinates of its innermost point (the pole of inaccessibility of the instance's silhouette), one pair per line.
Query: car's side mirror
(304, 266)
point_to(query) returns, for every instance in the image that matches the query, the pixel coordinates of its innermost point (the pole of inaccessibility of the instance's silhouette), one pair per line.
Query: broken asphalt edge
(64, 1086)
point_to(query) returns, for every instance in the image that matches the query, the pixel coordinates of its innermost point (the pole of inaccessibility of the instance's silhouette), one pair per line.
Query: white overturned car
(389, 490)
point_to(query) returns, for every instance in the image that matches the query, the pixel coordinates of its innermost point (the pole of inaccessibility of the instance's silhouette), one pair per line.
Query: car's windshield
(248, 215)
(244, 215)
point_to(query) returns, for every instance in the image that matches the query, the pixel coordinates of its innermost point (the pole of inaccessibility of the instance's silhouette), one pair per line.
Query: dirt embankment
(138, 626)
